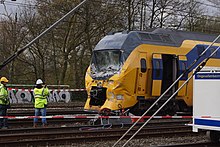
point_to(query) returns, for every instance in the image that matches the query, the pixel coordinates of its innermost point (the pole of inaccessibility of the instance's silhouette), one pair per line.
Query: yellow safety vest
(4, 100)
(40, 96)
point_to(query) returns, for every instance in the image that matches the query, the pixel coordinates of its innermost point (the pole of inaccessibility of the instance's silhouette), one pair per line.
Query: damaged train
(130, 70)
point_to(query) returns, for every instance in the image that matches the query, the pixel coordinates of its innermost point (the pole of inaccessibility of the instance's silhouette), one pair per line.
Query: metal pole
(166, 91)
(41, 35)
(198, 68)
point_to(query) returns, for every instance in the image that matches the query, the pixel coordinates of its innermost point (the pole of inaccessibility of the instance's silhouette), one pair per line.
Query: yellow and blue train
(130, 70)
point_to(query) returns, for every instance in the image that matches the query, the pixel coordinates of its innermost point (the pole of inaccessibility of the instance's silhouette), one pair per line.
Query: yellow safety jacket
(40, 96)
(4, 100)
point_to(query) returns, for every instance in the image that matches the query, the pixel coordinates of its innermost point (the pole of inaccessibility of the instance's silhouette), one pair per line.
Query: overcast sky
(11, 6)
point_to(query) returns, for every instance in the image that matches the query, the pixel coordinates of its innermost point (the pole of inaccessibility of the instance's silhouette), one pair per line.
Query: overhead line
(208, 5)
(24, 4)
(20, 4)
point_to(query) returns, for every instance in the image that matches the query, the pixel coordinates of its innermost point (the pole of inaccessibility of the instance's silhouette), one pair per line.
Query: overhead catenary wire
(209, 5)
(8, 60)
(20, 4)
(188, 69)
(198, 16)
(32, 5)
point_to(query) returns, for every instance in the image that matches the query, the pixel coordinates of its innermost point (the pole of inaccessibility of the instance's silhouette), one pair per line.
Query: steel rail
(44, 135)
(205, 144)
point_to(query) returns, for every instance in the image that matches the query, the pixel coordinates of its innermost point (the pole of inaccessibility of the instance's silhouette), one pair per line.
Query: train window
(144, 36)
(143, 65)
(200, 50)
(212, 50)
(166, 38)
(157, 68)
(183, 66)
(106, 63)
(155, 37)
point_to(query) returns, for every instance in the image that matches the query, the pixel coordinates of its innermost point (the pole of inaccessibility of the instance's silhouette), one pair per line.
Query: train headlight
(119, 97)
(110, 82)
(111, 96)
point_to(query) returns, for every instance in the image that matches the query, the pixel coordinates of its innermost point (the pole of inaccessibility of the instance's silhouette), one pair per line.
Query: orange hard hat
(4, 79)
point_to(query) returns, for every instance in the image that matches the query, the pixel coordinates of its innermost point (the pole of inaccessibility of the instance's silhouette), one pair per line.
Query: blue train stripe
(205, 122)
(197, 50)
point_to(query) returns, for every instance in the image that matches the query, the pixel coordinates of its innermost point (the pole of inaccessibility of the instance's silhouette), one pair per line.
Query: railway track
(79, 134)
(30, 112)
(15, 123)
(50, 105)
(205, 144)
(53, 109)
(74, 130)
(25, 123)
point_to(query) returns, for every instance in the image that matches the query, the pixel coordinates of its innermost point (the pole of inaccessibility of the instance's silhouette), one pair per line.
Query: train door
(157, 74)
(142, 75)
(169, 73)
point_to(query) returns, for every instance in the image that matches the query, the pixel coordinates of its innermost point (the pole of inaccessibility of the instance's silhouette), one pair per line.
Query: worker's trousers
(43, 113)
(3, 112)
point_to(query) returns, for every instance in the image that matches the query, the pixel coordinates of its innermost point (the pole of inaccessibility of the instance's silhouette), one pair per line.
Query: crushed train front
(104, 65)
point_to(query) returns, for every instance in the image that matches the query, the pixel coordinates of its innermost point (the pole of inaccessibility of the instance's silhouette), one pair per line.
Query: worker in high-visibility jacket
(41, 93)
(4, 102)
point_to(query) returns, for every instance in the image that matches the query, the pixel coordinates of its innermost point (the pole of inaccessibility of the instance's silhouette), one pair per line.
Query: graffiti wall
(26, 96)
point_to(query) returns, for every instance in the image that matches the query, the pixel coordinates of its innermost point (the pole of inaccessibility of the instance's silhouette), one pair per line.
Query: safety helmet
(39, 81)
(4, 79)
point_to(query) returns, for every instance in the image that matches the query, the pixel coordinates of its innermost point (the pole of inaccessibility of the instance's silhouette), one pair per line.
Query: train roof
(128, 41)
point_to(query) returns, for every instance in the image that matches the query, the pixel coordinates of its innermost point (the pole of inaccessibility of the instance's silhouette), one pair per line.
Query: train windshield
(106, 63)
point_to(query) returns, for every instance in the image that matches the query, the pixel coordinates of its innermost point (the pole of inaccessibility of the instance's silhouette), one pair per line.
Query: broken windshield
(106, 63)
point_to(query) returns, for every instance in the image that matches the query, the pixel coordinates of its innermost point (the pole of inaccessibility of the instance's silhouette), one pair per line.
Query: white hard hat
(39, 81)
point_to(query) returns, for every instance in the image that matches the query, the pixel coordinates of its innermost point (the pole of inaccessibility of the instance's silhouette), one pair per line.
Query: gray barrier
(27, 96)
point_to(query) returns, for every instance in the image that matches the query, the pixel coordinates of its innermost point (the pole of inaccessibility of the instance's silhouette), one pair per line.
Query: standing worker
(41, 93)
(4, 102)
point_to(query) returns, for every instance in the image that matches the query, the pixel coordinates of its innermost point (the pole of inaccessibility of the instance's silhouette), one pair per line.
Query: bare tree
(13, 32)
(62, 56)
